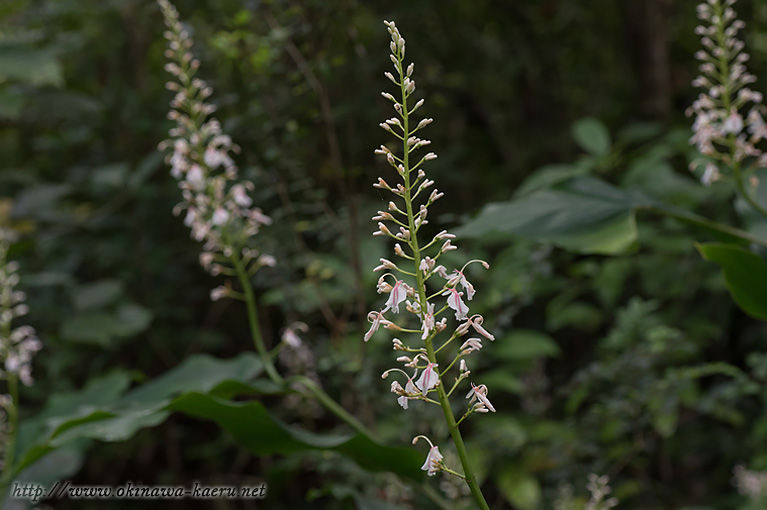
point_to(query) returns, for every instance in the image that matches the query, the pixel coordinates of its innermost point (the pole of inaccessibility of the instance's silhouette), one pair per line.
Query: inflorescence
(217, 205)
(418, 286)
(728, 115)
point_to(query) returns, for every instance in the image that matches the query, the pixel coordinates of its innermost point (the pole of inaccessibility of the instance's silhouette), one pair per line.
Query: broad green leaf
(585, 215)
(97, 294)
(592, 136)
(502, 379)
(195, 388)
(101, 327)
(253, 427)
(35, 67)
(200, 373)
(131, 319)
(745, 274)
(652, 174)
(40, 201)
(75, 414)
(525, 344)
(89, 328)
(59, 465)
(519, 488)
(550, 175)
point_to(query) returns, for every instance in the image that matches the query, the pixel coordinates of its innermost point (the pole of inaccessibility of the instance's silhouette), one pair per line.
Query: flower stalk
(219, 211)
(725, 135)
(18, 344)
(422, 258)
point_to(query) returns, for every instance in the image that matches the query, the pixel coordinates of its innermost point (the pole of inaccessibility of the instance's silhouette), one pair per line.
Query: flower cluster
(750, 483)
(729, 121)
(418, 287)
(218, 207)
(599, 488)
(17, 344)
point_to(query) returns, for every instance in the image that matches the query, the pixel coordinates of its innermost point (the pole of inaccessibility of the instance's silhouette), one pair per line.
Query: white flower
(429, 378)
(397, 295)
(376, 322)
(410, 389)
(220, 216)
(733, 123)
(218, 293)
(433, 463)
(455, 302)
(427, 324)
(470, 345)
(459, 278)
(240, 196)
(479, 393)
(195, 177)
(290, 336)
(710, 175)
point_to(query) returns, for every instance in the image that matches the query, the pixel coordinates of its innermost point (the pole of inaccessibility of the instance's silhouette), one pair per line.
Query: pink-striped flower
(429, 378)
(433, 462)
(397, 295)
(458, 278)
(376, 323)
(455, 302)
(479, 394)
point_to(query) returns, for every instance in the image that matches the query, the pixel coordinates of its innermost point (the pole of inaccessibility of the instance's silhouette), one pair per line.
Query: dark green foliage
(618, 347)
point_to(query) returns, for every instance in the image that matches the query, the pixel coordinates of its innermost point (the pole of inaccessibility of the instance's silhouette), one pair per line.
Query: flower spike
(425, 297)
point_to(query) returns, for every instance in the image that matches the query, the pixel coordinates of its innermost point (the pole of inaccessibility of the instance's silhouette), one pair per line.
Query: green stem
(13, 421)
(471, 479)
(312, 388)
(333, 406)
(255, 328)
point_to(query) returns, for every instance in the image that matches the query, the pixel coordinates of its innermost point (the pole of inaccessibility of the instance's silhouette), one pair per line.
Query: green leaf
(74, 416)
(195, 388)
(745, 274)
(97, 294)
(519, 488)
(131, 319)
(11, 104)
(592, 136)
(89, 328)
(101, 327)
(550, 175)
(253, 427)
(35, 67)
(525, 344)
(584, 214)
(59, 465)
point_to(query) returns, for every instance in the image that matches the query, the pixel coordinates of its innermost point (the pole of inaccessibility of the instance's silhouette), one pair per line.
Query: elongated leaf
(519, 488)
(745, 274)
(199, 387)
(117, 419)
(253, 427)
(523, 344)
(584, 214)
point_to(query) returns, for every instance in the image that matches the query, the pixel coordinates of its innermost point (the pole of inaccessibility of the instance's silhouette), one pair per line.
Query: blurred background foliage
(621, 354)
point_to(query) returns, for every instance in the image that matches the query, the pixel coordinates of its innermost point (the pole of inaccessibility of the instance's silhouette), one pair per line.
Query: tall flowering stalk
(432, 367)
(217, 205)
(18, 344)
(729, 121)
